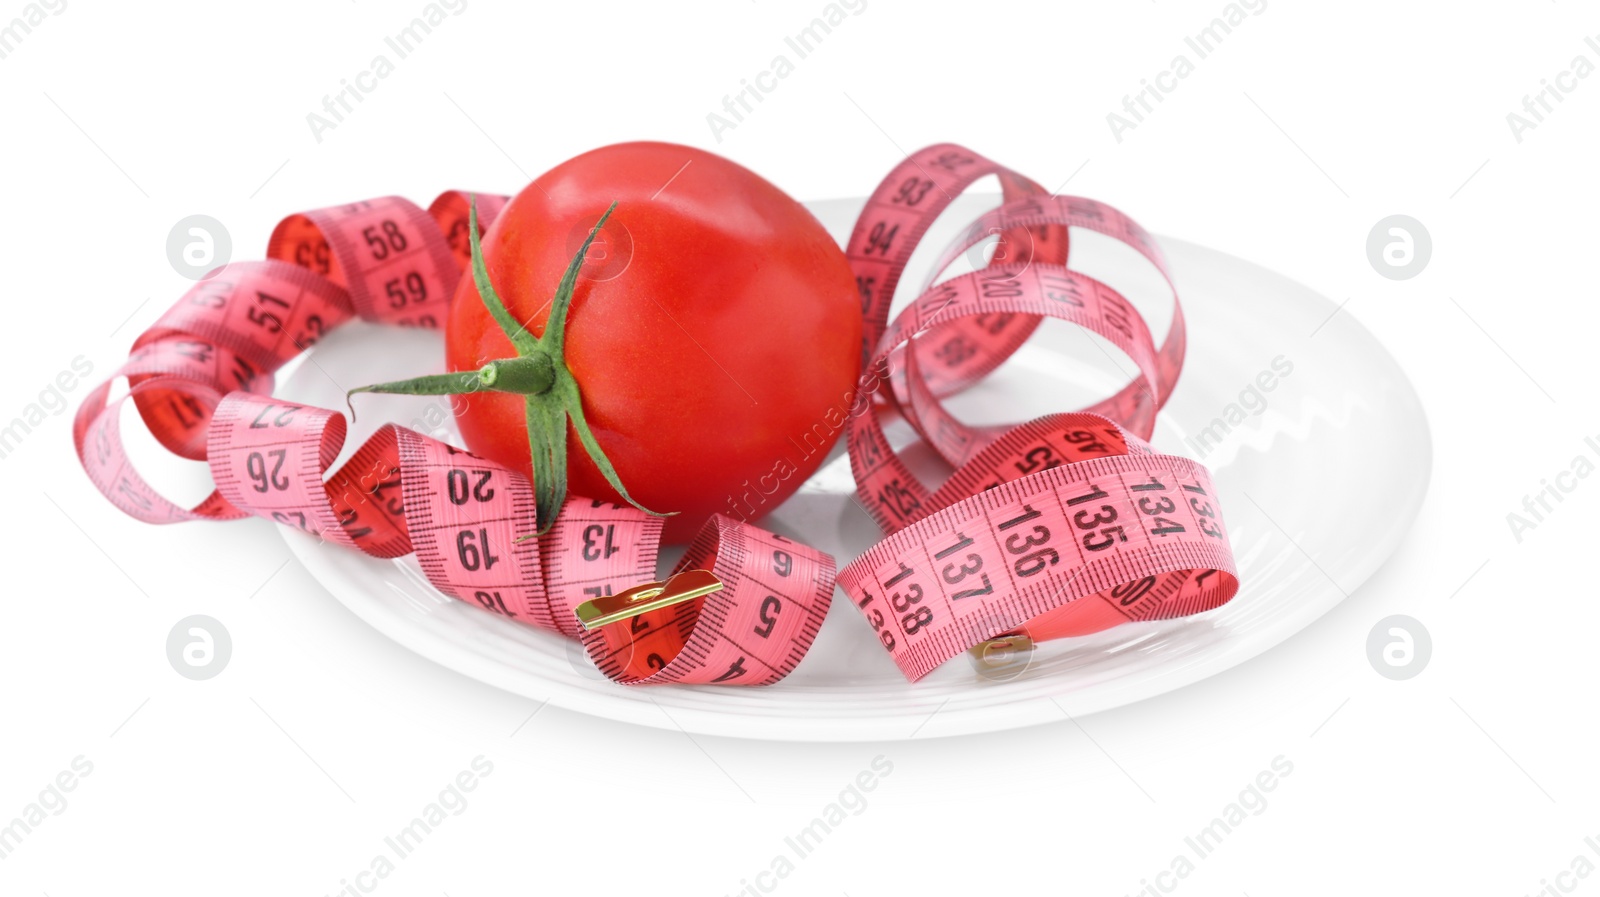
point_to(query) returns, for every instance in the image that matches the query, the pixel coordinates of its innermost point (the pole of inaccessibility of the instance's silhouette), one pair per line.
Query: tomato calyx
(538, 373)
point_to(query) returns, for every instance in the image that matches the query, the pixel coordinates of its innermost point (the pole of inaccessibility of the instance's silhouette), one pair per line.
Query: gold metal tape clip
(1003, 649)
(644, 598)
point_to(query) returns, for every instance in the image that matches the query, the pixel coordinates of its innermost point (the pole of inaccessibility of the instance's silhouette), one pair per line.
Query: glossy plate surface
(1279, 392)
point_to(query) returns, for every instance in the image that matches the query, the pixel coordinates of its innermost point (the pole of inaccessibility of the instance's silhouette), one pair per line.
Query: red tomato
(714, 332)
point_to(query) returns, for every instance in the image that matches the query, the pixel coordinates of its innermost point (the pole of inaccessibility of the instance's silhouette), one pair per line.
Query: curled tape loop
(1063, 526)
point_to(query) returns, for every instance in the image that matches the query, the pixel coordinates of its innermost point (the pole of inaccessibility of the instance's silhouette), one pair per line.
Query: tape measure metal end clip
(1003, 649)
(650, 596)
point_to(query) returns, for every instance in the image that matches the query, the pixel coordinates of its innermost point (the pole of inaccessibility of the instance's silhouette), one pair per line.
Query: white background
(1309, 124)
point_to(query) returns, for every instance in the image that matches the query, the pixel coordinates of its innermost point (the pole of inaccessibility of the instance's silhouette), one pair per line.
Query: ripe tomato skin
(711, 366)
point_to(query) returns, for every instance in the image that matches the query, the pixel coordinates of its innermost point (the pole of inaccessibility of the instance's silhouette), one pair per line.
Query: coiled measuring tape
(1062, 526)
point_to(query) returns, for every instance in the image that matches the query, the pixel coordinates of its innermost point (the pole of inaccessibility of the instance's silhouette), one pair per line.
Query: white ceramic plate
(1297, 558)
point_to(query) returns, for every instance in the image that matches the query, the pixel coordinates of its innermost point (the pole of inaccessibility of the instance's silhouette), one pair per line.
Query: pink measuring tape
(1062, 526)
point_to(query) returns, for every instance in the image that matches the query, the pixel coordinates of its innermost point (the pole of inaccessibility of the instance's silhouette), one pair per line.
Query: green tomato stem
(430, 385)
(539, 373)
(528, 375)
